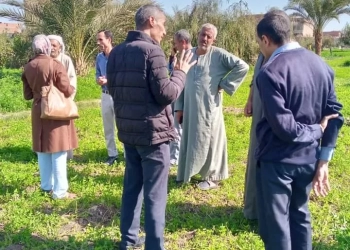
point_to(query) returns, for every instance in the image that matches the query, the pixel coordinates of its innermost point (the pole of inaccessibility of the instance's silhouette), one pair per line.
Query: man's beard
(204, 47)
(54, 54)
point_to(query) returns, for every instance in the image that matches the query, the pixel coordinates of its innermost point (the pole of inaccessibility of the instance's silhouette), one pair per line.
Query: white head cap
(59, 39)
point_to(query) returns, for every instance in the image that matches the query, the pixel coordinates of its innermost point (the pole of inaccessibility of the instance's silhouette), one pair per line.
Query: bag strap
(51, 72)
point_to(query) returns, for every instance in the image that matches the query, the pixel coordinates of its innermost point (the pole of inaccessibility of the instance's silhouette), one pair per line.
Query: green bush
(346, 63)
(5, 50)
(22, 51)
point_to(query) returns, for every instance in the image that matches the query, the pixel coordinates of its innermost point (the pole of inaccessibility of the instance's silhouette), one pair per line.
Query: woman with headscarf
(51, 138)
(58, 53)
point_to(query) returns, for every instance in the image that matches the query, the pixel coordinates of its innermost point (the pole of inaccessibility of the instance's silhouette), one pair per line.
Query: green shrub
(5, 50)
(346, 63)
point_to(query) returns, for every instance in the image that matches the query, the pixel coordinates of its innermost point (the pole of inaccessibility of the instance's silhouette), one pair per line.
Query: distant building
(336, 35)
(301, 27)
(10, 28)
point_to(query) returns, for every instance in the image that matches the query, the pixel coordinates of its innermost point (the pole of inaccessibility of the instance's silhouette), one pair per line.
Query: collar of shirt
(285, 47)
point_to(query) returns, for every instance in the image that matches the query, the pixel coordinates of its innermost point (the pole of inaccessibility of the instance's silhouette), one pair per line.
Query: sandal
(207, 185)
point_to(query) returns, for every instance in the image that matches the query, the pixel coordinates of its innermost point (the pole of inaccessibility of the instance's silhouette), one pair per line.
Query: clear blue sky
(256, 7)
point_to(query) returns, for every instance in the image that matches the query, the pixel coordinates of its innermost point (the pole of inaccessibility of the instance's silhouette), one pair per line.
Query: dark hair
(276, 26)
(107, 33)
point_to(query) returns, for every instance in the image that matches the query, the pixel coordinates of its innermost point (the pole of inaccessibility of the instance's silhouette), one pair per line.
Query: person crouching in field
(51, 138)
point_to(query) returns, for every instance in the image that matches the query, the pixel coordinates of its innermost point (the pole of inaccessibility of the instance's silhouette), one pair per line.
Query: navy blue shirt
(297, 91)
(101, 67)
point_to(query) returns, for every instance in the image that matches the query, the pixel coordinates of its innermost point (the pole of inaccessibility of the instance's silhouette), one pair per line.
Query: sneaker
(138, 245)
(110, 160)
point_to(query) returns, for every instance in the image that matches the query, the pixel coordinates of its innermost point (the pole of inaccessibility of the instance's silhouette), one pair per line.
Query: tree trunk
(318, 42)
(82, 67)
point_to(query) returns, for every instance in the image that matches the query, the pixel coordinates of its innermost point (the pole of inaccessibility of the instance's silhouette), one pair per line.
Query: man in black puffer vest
(142, 92)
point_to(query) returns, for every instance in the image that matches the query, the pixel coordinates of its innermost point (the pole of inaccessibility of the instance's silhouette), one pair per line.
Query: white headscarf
(41, 45)
(59, 40)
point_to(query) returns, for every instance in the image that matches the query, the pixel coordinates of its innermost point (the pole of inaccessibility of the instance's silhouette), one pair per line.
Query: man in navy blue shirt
(296, 136)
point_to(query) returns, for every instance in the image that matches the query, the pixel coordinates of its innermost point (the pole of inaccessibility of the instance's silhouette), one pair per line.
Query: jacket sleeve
(237, 69)
(164, 89)
(331, 133)
(61, 80)
(281, 119)
(27, 90)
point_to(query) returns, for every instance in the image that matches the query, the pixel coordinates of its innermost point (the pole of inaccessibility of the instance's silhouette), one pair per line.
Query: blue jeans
(146, 176)
(53, 173)
(175, 145)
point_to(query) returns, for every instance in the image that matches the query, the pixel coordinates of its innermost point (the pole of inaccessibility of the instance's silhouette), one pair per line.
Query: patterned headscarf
(59, 40)
(41, 45)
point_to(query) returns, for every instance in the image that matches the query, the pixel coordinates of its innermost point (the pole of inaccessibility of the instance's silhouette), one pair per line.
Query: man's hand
(220, 90)
(102, 80)
(248, 109)
(179, 116)
(320, 183)
(324, 122)
(184, 62)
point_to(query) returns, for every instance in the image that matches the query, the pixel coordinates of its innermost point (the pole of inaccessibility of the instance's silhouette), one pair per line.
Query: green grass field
(195, 220)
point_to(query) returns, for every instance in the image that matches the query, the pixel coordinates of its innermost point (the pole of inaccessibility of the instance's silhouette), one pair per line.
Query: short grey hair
(210, 26)
(145, 12)
(183, 35)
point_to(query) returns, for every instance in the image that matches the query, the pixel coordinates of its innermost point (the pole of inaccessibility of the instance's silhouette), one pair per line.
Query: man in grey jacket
(138, 82)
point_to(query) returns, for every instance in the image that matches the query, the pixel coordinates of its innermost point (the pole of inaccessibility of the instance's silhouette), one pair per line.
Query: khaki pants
(108, 118)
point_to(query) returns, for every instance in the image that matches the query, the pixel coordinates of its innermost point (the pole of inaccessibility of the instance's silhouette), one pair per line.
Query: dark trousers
(146, 176)
(283, 215)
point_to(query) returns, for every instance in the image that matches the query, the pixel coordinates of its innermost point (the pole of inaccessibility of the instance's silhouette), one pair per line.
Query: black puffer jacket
(137, 79)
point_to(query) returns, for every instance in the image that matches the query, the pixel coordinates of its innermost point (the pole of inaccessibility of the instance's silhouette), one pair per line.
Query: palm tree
(318, 13)
(76, 20)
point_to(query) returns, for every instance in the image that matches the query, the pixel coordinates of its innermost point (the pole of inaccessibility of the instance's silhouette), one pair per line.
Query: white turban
(59, 40)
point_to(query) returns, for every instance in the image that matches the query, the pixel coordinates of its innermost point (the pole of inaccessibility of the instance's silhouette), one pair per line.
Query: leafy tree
(77, 21)
(328, 42)
(345, 39)
(5, 50)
